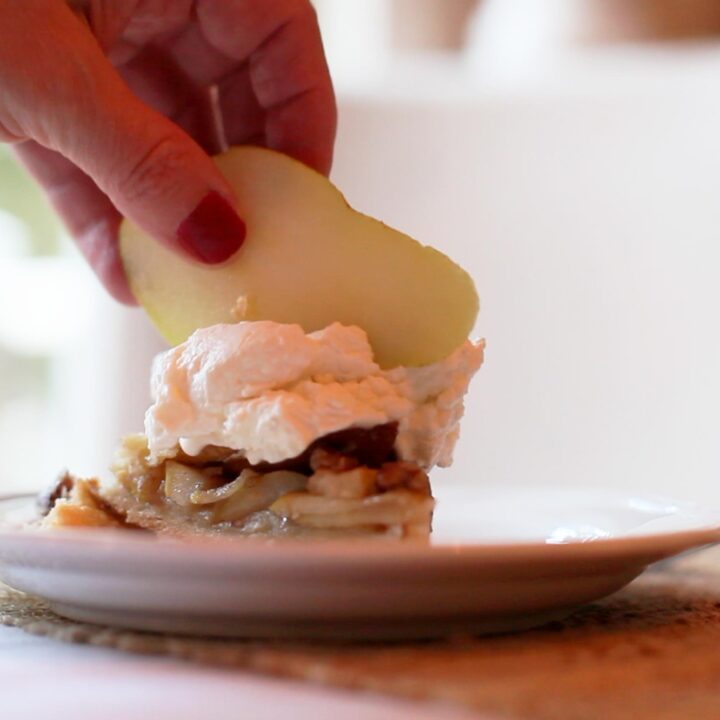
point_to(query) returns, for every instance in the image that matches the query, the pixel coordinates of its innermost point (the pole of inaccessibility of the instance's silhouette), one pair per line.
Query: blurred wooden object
(644, 20)
(517, 34)
(430, 24)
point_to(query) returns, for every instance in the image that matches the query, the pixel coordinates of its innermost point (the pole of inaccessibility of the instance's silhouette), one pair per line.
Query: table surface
(41, 678)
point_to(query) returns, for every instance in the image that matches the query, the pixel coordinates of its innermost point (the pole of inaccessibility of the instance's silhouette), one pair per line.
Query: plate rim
(80, 546)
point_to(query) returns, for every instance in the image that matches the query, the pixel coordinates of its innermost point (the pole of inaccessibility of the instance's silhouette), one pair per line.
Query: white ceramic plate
(501, 559)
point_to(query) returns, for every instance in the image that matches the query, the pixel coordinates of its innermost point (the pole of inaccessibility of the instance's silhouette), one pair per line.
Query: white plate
(501, 559)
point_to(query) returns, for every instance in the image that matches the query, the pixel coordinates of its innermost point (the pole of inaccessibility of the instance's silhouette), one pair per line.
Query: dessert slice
(287, 421)
(260, 429)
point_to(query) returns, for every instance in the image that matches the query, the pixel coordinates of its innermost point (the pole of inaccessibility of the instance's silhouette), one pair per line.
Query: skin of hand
(109, 106)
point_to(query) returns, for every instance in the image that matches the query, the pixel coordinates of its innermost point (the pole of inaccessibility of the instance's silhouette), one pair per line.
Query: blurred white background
(567, 152)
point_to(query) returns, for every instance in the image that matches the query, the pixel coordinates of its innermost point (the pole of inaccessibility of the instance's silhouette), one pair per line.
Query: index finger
(280, 40)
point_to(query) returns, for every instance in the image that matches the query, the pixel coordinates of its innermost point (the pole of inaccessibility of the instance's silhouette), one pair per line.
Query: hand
(110, 107)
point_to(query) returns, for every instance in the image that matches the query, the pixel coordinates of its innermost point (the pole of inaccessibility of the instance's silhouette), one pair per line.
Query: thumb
(161, 179)
(70, 99)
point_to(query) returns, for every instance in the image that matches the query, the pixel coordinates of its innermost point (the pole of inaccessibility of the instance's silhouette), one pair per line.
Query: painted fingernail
(213, 232)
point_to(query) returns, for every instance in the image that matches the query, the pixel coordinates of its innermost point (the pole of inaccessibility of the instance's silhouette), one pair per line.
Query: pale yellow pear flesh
(309, 259)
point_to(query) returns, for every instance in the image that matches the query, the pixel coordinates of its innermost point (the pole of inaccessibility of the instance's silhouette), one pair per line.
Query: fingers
(287, 68)
(159, 82)
(124, 26)
(69, 99)
(88, 213)
(244, 119)
(122, 156)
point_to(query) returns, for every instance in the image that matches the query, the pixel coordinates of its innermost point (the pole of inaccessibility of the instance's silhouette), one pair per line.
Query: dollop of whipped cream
(269, 390)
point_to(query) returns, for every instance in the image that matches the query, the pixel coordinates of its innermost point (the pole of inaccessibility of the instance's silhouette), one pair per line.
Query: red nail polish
(213, 232)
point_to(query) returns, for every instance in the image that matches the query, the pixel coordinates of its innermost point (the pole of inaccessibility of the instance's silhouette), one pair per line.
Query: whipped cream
(269, 390)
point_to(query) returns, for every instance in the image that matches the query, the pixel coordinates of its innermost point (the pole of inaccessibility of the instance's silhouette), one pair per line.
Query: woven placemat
(651, 651)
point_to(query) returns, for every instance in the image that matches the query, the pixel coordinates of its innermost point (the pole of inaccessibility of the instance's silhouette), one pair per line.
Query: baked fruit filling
(347, 483)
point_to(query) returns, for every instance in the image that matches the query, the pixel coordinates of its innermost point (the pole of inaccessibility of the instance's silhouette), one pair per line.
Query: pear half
(309, 259)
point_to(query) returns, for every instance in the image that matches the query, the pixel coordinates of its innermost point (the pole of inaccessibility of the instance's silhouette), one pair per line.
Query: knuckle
(154, 17)
(10, 130)
(149, 175)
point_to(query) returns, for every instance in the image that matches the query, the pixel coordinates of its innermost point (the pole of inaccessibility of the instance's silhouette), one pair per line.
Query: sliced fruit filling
(350, 482)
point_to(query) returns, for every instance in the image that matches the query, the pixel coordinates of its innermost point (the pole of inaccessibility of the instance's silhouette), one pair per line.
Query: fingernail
(213, 231)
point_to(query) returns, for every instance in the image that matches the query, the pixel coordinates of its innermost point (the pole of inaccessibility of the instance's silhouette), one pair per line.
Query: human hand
(111, 111)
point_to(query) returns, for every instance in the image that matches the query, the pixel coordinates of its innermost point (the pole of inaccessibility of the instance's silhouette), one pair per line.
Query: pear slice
(309, 259)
